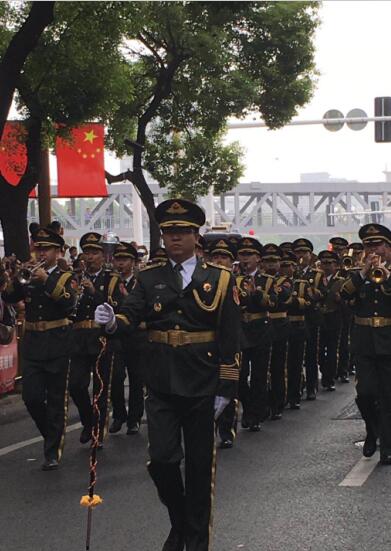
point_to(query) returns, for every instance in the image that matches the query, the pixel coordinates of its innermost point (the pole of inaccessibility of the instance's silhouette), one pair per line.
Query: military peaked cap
(91, 240)
(249, 245)
(272, 251)
(356, 246)
(45, 237)
(223, 246)
(339, 241)
(302, 244)
(374, 233)
(179, 213)
(328, 255)
(288, 257)
(125, 249)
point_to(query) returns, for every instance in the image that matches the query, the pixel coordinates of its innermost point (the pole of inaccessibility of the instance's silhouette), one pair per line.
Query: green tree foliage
(167, 76)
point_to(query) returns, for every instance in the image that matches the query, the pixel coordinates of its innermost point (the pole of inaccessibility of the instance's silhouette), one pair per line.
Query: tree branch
(112, 179)
(151, 49)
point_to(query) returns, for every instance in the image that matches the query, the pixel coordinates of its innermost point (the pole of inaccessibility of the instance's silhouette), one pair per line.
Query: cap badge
(176, 208)
(372, 230)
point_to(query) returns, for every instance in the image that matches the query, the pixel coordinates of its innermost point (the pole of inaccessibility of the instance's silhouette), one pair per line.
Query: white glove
(104, 315)
(221, 402)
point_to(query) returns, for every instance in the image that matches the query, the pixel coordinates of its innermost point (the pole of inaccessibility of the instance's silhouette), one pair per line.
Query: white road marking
(19, 445)
(361, 471)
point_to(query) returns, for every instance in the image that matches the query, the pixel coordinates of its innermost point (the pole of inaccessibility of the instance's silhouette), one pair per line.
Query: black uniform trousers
(296, 353)
(228, 421)
(189, 503)
(312, 358)
(329, 342)
(344, 359)
(278, 376)
(253, 383)
(374, 396)
(46, 398)
(80, 377)
(125, 363)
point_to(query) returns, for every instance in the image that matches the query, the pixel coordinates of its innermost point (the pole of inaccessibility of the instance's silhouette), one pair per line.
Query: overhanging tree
(197, 63)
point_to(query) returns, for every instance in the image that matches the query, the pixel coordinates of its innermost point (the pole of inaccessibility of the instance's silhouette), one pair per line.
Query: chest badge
(157, 307)
(207, 287)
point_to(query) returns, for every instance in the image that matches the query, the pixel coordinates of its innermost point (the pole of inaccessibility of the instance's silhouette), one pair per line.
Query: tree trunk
(13, 216)
(146, 198)
(22, 43)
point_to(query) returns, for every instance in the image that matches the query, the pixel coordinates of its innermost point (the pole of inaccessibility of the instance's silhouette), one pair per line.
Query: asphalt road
(277, 490)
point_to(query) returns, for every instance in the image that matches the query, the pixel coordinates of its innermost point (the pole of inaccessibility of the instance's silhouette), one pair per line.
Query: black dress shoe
(133, 428)
(311, 395)
(294, 405)
(369, 447)
(174, 542)
(116, 426)
(50, 465)
(245, 423)
(276, 416)
(344, 379)
(330, 388)
(85, 435)
(255, 427)
(226, 444)
(385, 459)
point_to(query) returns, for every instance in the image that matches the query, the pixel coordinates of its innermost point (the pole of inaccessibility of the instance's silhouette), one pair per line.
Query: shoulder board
(217, 266)
(151, 266)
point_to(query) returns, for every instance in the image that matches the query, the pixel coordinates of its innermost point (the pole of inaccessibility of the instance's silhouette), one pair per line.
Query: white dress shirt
(188, 267)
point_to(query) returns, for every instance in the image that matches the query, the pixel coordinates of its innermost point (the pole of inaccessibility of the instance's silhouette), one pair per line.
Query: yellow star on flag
(89, 136)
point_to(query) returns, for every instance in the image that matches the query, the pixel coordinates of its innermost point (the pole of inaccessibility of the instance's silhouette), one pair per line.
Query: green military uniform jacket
(209, 303)
(255, 323)
(107, 289)
(371, 302)
(48, 302)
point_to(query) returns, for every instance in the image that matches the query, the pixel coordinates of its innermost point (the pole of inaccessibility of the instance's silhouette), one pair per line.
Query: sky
(352, 57)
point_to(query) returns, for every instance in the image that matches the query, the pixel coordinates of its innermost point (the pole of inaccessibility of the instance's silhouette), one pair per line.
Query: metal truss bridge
(279, 210)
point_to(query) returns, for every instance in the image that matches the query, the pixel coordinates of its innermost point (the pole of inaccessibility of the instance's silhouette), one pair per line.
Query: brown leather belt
(45, 325)
(277, 315)
(247, 316)
(296, 318)
(86, 324)
(372, 322)
(175, 337)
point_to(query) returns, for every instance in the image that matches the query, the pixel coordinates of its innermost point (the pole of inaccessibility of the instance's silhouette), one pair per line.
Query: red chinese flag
(13, 153)
(80, 163)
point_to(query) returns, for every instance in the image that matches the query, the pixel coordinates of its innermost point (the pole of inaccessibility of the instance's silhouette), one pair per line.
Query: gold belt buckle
(175, 337)
(375, 322)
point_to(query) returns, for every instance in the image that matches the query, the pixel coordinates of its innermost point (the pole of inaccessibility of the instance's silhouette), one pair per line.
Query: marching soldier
(223, 252)
(303, 250)
(97, 286)
(297, 305)
(370, 291)
(257, 296)
(127, 355)
(331, 328)
(339, 245)
(271, 258)
(49, 300)
(191, 366)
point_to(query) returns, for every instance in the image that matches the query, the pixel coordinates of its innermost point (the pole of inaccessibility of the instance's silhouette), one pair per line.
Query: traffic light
(383, 129)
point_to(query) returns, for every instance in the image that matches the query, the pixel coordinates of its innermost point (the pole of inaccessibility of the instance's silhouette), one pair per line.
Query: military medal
(157, 307)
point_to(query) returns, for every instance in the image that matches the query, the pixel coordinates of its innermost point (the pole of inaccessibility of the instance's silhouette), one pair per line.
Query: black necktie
(177, 270)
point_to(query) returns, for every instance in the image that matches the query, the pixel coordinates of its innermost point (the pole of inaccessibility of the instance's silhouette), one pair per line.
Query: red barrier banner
(8, 365)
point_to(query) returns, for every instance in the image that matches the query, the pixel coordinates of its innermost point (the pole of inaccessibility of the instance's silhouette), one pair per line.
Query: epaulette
(215, 266)
(157, 265)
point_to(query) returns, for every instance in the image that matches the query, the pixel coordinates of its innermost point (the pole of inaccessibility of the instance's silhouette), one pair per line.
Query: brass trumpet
(378, 274)
(24, 275)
